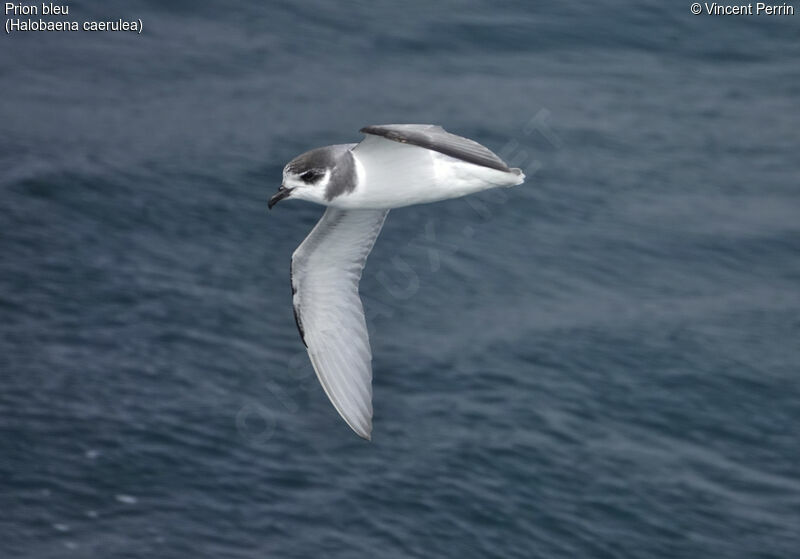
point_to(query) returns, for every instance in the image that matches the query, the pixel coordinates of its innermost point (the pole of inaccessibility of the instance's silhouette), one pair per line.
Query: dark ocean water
(603, 362)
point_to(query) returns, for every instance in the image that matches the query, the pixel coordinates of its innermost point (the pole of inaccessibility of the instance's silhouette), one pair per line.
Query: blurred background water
(602, 362)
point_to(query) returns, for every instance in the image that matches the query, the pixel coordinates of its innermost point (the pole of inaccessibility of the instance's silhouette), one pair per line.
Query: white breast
(393, 174)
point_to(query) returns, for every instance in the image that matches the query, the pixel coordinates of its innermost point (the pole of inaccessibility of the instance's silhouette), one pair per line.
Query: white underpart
(393, 174)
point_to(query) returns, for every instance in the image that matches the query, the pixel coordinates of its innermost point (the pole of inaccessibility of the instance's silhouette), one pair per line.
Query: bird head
(307, 176)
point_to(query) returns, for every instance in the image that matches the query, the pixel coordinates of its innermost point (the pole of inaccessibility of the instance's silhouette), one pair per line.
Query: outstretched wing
(436, 138)
(326, 269)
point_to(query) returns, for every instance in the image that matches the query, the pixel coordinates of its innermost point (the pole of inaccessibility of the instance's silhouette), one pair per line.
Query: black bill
(282, 193)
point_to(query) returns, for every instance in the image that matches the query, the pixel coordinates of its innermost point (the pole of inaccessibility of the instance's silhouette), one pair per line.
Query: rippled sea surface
(603, 362)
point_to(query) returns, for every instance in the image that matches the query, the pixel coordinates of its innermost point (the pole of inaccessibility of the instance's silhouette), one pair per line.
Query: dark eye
(310, 176)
